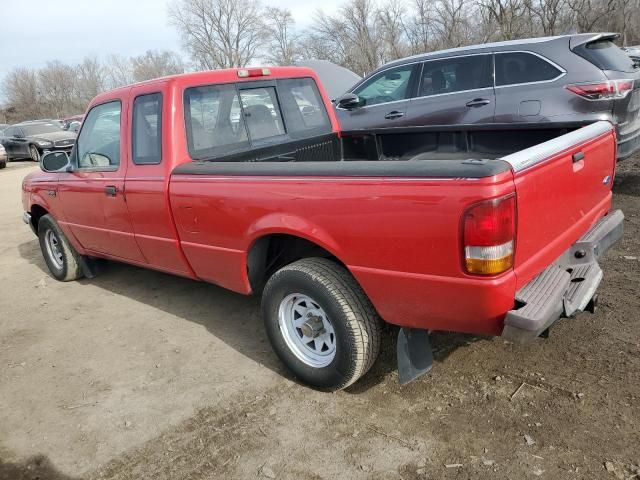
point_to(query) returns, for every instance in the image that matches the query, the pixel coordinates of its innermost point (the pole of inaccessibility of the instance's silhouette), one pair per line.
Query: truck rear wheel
(321, 323)
(59, 255)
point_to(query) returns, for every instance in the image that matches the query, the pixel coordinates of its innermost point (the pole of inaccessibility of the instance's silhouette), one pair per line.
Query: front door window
(98, 145)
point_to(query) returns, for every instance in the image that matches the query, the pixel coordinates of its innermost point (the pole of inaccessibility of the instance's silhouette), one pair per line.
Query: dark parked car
(570, 79)
(32, 139)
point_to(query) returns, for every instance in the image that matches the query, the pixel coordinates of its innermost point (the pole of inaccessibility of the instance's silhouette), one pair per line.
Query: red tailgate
(563, 187)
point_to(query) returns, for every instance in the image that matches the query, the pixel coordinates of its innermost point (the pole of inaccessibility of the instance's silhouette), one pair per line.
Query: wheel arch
(37, 211)
(273, 249)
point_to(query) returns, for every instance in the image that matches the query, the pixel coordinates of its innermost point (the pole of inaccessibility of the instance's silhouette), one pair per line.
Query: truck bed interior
(447, 143)
(443, 151)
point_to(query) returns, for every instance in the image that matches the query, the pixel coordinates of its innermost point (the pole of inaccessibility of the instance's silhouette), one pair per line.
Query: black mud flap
(415, 357)
(90, 266)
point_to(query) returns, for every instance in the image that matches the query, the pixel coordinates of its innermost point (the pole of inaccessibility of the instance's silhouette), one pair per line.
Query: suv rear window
(606, 55)
(227, 118)
(513, 68)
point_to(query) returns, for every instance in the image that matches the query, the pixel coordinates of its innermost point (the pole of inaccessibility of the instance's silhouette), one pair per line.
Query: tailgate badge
(606, 180)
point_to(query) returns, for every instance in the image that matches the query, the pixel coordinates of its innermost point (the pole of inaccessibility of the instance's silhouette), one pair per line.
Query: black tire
(67, 265)
(3, 163)
(34, 153)
(354, 320)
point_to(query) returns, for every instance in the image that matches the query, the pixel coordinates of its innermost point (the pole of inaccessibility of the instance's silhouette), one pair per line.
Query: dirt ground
(141, 375)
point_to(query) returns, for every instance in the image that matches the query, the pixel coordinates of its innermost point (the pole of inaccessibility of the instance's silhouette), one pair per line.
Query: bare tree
(589, 13)
(218, 33)
(90, 81)
(119, 71)
(57, 88)
(352, 36)
(420, 28)
(393, 30)
(20, 88)
(154, 64)
(550, 15)
(282, 46)
(452, 25)
(325, 40)
(509, 18)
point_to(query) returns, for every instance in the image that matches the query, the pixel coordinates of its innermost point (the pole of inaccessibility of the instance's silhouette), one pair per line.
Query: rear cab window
(513, 68)
(228, 118)
(262, 113)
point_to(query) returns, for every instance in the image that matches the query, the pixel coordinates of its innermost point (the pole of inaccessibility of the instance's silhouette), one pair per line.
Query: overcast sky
(33, 32)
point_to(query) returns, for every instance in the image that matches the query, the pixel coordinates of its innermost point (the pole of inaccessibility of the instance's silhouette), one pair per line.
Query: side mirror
(348, 101)
(56, 162)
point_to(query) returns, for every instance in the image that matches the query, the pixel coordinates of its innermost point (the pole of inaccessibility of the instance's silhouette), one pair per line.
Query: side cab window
(147, 129)
(98, 145)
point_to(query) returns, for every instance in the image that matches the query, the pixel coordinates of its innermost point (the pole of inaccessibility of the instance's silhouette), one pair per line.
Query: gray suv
(567, 81)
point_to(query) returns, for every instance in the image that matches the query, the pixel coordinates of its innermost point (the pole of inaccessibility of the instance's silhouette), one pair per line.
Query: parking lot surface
(140, 375)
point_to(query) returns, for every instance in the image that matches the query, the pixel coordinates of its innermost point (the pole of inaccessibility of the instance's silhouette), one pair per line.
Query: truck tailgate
(563, 187)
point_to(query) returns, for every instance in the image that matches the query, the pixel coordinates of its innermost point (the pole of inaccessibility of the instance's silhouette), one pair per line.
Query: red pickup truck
(242, 178)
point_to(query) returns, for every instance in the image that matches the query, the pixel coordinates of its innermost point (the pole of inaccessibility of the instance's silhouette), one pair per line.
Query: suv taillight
(489, 234)
(608, 90)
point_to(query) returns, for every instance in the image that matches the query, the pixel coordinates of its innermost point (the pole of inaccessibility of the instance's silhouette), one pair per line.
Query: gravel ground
(141, 375)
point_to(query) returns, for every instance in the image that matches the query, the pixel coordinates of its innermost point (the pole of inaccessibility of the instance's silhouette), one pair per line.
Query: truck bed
(398, 228)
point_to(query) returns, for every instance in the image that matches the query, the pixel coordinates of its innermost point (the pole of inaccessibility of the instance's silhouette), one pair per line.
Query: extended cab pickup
(242, 178)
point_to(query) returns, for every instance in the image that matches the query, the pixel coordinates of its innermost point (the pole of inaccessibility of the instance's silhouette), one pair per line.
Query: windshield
(39, 128)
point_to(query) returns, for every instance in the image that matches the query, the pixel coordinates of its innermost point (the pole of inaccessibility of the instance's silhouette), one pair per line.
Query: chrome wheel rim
(53, 248)
(35, 155)
(307, 330)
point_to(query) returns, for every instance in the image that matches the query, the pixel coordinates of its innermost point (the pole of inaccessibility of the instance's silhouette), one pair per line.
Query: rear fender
(284, 223)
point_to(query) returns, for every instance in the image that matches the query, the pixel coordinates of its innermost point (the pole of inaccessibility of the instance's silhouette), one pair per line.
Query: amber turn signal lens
(489, 267)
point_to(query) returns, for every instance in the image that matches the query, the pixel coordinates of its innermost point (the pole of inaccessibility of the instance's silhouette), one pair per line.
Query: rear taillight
(608, 90)
(489, 234)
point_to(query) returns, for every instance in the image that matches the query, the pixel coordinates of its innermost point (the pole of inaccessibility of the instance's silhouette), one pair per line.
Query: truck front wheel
(321, 323)
(59, 255)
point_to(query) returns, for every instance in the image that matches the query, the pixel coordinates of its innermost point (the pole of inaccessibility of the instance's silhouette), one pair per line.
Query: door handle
(394, 114)
(576, 157)
(111, 190)
(478, 102)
